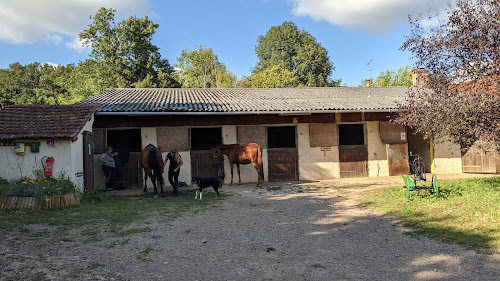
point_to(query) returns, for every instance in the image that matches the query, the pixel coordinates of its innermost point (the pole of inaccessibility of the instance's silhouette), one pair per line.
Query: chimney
(381, 81)
(420, 78)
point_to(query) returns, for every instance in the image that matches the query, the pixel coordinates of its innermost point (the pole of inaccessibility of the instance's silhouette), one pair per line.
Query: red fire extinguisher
(47, 166)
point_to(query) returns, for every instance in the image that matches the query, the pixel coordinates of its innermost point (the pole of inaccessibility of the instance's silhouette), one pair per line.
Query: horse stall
(353, 151)
(282, 153)
(127, 142)
(203, 164)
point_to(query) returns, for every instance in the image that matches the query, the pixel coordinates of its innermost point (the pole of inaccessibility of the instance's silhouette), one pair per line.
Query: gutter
(280, 113)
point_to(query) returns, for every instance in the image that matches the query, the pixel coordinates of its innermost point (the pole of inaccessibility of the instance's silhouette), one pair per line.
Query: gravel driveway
(291, 232)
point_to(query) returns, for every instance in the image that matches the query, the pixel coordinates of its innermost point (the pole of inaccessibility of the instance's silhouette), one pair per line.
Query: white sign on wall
(403, 135)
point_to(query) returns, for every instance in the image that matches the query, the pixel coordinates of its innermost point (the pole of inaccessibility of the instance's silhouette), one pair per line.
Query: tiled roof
(248, 100)
(43, 121)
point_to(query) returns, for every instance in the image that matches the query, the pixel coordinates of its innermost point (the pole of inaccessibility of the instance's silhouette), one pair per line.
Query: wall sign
(403, 135)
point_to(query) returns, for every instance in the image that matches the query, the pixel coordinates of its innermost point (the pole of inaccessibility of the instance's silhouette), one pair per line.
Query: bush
(39, 186)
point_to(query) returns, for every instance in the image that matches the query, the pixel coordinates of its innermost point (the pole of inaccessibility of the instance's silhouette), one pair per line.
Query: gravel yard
(289, 231)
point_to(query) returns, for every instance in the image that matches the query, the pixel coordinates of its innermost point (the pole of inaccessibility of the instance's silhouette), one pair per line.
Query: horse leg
(145, 181)
(239, 175)
(259, 174)
(231, 174)
(153, 179)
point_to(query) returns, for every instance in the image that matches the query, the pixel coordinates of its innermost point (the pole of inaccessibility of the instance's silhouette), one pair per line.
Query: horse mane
(224, 147)
(154, 163)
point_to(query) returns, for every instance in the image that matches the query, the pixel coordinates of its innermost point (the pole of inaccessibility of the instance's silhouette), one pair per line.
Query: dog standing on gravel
(204, 183)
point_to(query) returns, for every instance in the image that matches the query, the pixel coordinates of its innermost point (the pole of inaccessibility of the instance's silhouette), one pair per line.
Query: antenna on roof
(369, 68)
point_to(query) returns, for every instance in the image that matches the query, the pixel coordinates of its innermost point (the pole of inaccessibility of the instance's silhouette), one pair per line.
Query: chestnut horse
(153, 165)
(237, 154)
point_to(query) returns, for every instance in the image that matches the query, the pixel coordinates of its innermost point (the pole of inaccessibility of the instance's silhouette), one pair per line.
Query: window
(205, 138)
(351, 134)
(281, 137)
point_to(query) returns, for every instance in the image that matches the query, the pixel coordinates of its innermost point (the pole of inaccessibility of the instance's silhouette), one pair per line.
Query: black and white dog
(204, 183)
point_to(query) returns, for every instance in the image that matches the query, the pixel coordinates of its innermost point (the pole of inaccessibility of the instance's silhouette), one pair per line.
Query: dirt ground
(293, 231)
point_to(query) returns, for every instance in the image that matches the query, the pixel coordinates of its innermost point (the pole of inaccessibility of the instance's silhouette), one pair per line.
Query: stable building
(305, 133)
(32, 134)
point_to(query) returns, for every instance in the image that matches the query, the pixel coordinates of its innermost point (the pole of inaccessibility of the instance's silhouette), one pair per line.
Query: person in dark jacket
(174, 168)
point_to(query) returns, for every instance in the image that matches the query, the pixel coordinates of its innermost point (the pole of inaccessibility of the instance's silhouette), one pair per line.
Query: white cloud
(76, 45)
(375, 16)
(54, 39)
(28, 21)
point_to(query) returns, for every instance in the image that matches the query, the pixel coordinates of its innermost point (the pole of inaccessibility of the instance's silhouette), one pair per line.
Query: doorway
(127, 142)
(282, 153)
(203, 164)
(417, 145)
(353, 151)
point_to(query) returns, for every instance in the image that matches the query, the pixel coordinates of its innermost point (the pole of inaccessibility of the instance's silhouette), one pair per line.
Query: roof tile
(249, 100)
(44, 121)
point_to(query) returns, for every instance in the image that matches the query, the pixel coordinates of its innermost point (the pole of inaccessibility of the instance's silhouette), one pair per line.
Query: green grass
(467, 212)
(96, 217)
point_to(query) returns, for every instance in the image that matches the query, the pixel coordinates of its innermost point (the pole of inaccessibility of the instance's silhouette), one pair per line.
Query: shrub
(39, 186)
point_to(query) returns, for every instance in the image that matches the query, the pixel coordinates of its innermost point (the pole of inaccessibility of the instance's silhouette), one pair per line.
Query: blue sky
(353, 32)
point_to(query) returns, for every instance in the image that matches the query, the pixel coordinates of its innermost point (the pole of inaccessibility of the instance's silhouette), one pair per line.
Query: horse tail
(155, 165)
(259, 161)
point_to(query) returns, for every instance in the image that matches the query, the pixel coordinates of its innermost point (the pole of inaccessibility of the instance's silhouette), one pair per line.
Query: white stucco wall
(68, 159)
(14, 166)
(148, 136)
(378, 165)
(316, 162)
(447, 158)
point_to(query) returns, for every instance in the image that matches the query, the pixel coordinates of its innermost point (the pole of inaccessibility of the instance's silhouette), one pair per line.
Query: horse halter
(216, 157)
(218, 154)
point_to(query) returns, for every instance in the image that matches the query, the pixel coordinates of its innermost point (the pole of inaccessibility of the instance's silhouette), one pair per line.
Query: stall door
(353, 161)
(476, 160)
(282, 154)
(128, 172)
(353, 153)
(203, 164)
(397, 155)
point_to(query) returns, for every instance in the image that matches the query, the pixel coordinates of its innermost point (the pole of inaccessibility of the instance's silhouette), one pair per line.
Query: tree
(126, 47)
(390, 78)
(462, 54)
(201, 68)
(33, 83)
(275, 76)
(296, 51)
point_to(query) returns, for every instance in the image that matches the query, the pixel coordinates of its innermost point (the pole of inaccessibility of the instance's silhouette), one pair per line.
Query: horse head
(217, 154)
(215, 151)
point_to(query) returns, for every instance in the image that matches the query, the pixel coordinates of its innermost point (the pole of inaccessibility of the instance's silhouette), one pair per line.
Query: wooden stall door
(398, 159)
(88, 161)
(203, 164)
(128, 174)
(476, 160)
(353, 161)
(283, 164)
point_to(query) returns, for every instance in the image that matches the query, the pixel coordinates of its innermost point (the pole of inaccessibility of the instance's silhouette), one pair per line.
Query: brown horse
(237, 154)
(153, 165)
